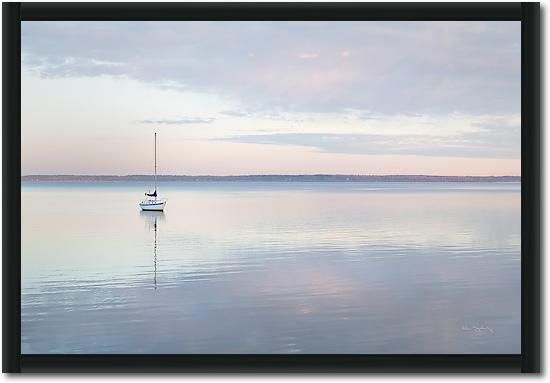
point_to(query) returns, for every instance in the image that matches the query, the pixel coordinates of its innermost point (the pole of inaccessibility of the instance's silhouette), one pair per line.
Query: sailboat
(152, 202)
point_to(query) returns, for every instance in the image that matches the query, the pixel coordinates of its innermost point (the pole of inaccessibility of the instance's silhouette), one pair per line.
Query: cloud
(434, 67)
(235, 113)
(364, 115)
(183, 121)
(463, 145)
(267, 115)
(306, 56)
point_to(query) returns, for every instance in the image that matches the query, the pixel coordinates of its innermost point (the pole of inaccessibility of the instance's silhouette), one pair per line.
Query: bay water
(271, 267)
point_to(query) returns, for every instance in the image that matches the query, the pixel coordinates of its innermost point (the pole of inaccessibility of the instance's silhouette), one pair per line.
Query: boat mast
(155, 165)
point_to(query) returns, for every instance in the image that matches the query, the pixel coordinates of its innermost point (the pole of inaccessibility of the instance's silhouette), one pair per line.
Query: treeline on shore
(270, 178)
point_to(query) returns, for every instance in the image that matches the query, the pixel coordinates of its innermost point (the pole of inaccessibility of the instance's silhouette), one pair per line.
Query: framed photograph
(265, 187)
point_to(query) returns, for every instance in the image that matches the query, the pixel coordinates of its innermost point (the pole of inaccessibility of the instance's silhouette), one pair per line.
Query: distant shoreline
(269, 178)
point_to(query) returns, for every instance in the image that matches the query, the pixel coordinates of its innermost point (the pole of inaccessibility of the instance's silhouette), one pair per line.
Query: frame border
(239, 11)
(530, 187)
(11, 187)
(527, 361)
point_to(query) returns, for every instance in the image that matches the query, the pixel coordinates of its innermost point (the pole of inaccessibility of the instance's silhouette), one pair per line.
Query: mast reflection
(152, 218)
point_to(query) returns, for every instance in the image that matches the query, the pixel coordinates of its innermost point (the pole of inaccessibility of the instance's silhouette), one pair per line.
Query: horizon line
(267, 175)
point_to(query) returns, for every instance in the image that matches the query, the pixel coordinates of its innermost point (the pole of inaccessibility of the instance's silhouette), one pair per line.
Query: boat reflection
(152, 218)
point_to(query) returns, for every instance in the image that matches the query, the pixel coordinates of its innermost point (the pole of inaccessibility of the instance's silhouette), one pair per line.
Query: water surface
(252, 267)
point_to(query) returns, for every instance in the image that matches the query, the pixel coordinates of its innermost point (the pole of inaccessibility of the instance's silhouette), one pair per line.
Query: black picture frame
(527, 361)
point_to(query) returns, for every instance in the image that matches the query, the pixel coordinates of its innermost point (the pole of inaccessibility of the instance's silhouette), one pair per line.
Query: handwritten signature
(478, 329)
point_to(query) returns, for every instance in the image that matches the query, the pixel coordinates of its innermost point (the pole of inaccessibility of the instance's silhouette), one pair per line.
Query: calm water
(271, 268)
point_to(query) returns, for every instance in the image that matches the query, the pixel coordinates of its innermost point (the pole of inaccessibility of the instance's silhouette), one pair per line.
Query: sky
(232, 98)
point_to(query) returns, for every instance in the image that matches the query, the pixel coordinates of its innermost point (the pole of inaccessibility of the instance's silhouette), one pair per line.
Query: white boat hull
(157, 205)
